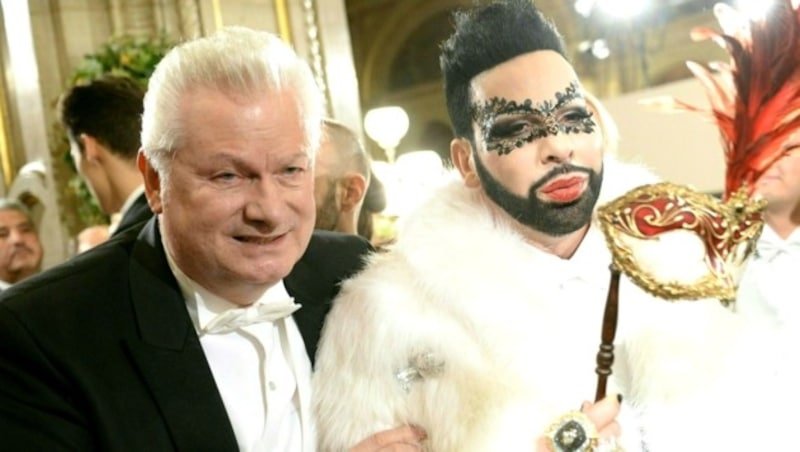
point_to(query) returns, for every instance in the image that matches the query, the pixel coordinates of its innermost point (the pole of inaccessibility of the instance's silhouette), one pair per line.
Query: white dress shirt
(126, 206)
(769, 291)
(262, 371)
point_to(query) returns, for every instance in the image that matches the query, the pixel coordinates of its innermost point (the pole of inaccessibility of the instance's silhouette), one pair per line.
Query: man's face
(780, 184)
(20, 250)
(538, 151)
(325, 187)
(237, 209)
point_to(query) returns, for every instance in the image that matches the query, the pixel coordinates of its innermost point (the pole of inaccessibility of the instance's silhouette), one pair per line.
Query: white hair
(234, 60)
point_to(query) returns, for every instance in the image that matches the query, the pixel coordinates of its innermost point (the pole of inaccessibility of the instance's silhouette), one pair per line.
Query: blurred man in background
(20, 249)
(341, 180)
(103, 120)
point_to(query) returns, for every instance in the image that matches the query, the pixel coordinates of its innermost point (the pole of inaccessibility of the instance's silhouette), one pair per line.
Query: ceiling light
(621, 9)
(600, 49)
(584, 7)
(754, 9)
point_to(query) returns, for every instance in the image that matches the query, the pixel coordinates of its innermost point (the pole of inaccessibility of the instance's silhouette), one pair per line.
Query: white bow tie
(769, 249)
(233, 319)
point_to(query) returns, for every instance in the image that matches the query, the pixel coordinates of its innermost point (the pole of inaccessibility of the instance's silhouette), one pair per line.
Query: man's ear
(93, 151)
(352, 188)
(152, 182)
(461, 154)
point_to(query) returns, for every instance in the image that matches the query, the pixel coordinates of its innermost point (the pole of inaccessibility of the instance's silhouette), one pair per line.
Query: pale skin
(237, 209)
(349, 191)
(512, 80)
(520, 168)
(780, 186)
(406, 438)
(91, 237)
(20, 249)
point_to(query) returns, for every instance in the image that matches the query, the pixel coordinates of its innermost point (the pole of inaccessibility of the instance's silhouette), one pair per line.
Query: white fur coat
(466, 330)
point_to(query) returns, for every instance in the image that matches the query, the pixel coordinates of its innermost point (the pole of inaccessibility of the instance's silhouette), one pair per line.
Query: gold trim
(728, 231)
(6, 161)
(216, 8)
(284, 22)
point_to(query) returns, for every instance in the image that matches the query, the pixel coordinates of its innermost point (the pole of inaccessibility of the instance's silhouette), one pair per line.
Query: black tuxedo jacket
(99, 353)
(136, 215)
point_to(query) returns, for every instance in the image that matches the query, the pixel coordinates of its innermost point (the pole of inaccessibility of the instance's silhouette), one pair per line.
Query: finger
(404, 435)
(602, 412)
(401, 448)
(612, 430)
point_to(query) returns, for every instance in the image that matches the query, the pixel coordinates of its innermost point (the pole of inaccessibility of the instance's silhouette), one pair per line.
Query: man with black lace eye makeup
(481, 324)
(507, 125)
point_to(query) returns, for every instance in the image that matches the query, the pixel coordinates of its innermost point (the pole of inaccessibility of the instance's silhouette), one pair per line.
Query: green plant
(131, 56)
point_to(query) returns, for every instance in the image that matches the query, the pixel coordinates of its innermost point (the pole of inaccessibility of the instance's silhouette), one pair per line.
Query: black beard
(327, 212)
(551, 218)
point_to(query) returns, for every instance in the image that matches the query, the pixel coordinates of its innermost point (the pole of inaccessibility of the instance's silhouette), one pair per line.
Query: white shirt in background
(126, 206)
(769, 291)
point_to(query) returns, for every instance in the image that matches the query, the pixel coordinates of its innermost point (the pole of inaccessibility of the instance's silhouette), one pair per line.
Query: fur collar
(455, 218)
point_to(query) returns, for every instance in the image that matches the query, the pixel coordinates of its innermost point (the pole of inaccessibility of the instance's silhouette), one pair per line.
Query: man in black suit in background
(196, 333)
(103, 121)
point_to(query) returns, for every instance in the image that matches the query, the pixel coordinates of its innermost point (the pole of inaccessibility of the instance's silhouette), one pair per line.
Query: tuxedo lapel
(137, 213)
(169, 356)
(314, 281)
(311, 294)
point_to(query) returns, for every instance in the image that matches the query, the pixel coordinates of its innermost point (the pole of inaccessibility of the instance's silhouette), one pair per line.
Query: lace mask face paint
(507, 125)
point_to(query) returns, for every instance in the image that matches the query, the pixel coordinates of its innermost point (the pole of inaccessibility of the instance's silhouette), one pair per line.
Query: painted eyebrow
(496, 106)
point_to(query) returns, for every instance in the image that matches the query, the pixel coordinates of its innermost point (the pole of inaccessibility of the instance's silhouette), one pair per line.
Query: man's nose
(16, 236)
(557, 148)
(263, 201)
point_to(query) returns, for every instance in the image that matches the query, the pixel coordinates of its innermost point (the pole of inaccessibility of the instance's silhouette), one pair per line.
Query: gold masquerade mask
(754, 100)
(677, 243)
(704, 242)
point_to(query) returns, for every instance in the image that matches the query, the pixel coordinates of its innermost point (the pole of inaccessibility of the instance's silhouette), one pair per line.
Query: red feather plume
(755, 99)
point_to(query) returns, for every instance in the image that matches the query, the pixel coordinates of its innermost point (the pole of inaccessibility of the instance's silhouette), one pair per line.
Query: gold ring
(572, 432)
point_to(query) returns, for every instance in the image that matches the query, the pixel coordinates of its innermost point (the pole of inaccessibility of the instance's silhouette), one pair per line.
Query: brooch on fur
(420, 367)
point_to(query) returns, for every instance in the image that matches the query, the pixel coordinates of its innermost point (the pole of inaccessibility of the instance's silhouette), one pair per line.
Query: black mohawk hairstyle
(484, 37)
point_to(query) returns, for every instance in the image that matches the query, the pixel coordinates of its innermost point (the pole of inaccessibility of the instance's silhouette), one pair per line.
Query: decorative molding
(190, 24)
(316, 57)
(138, 17)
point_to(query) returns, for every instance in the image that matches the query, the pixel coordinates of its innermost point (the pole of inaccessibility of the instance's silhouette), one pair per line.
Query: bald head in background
(341, 179)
